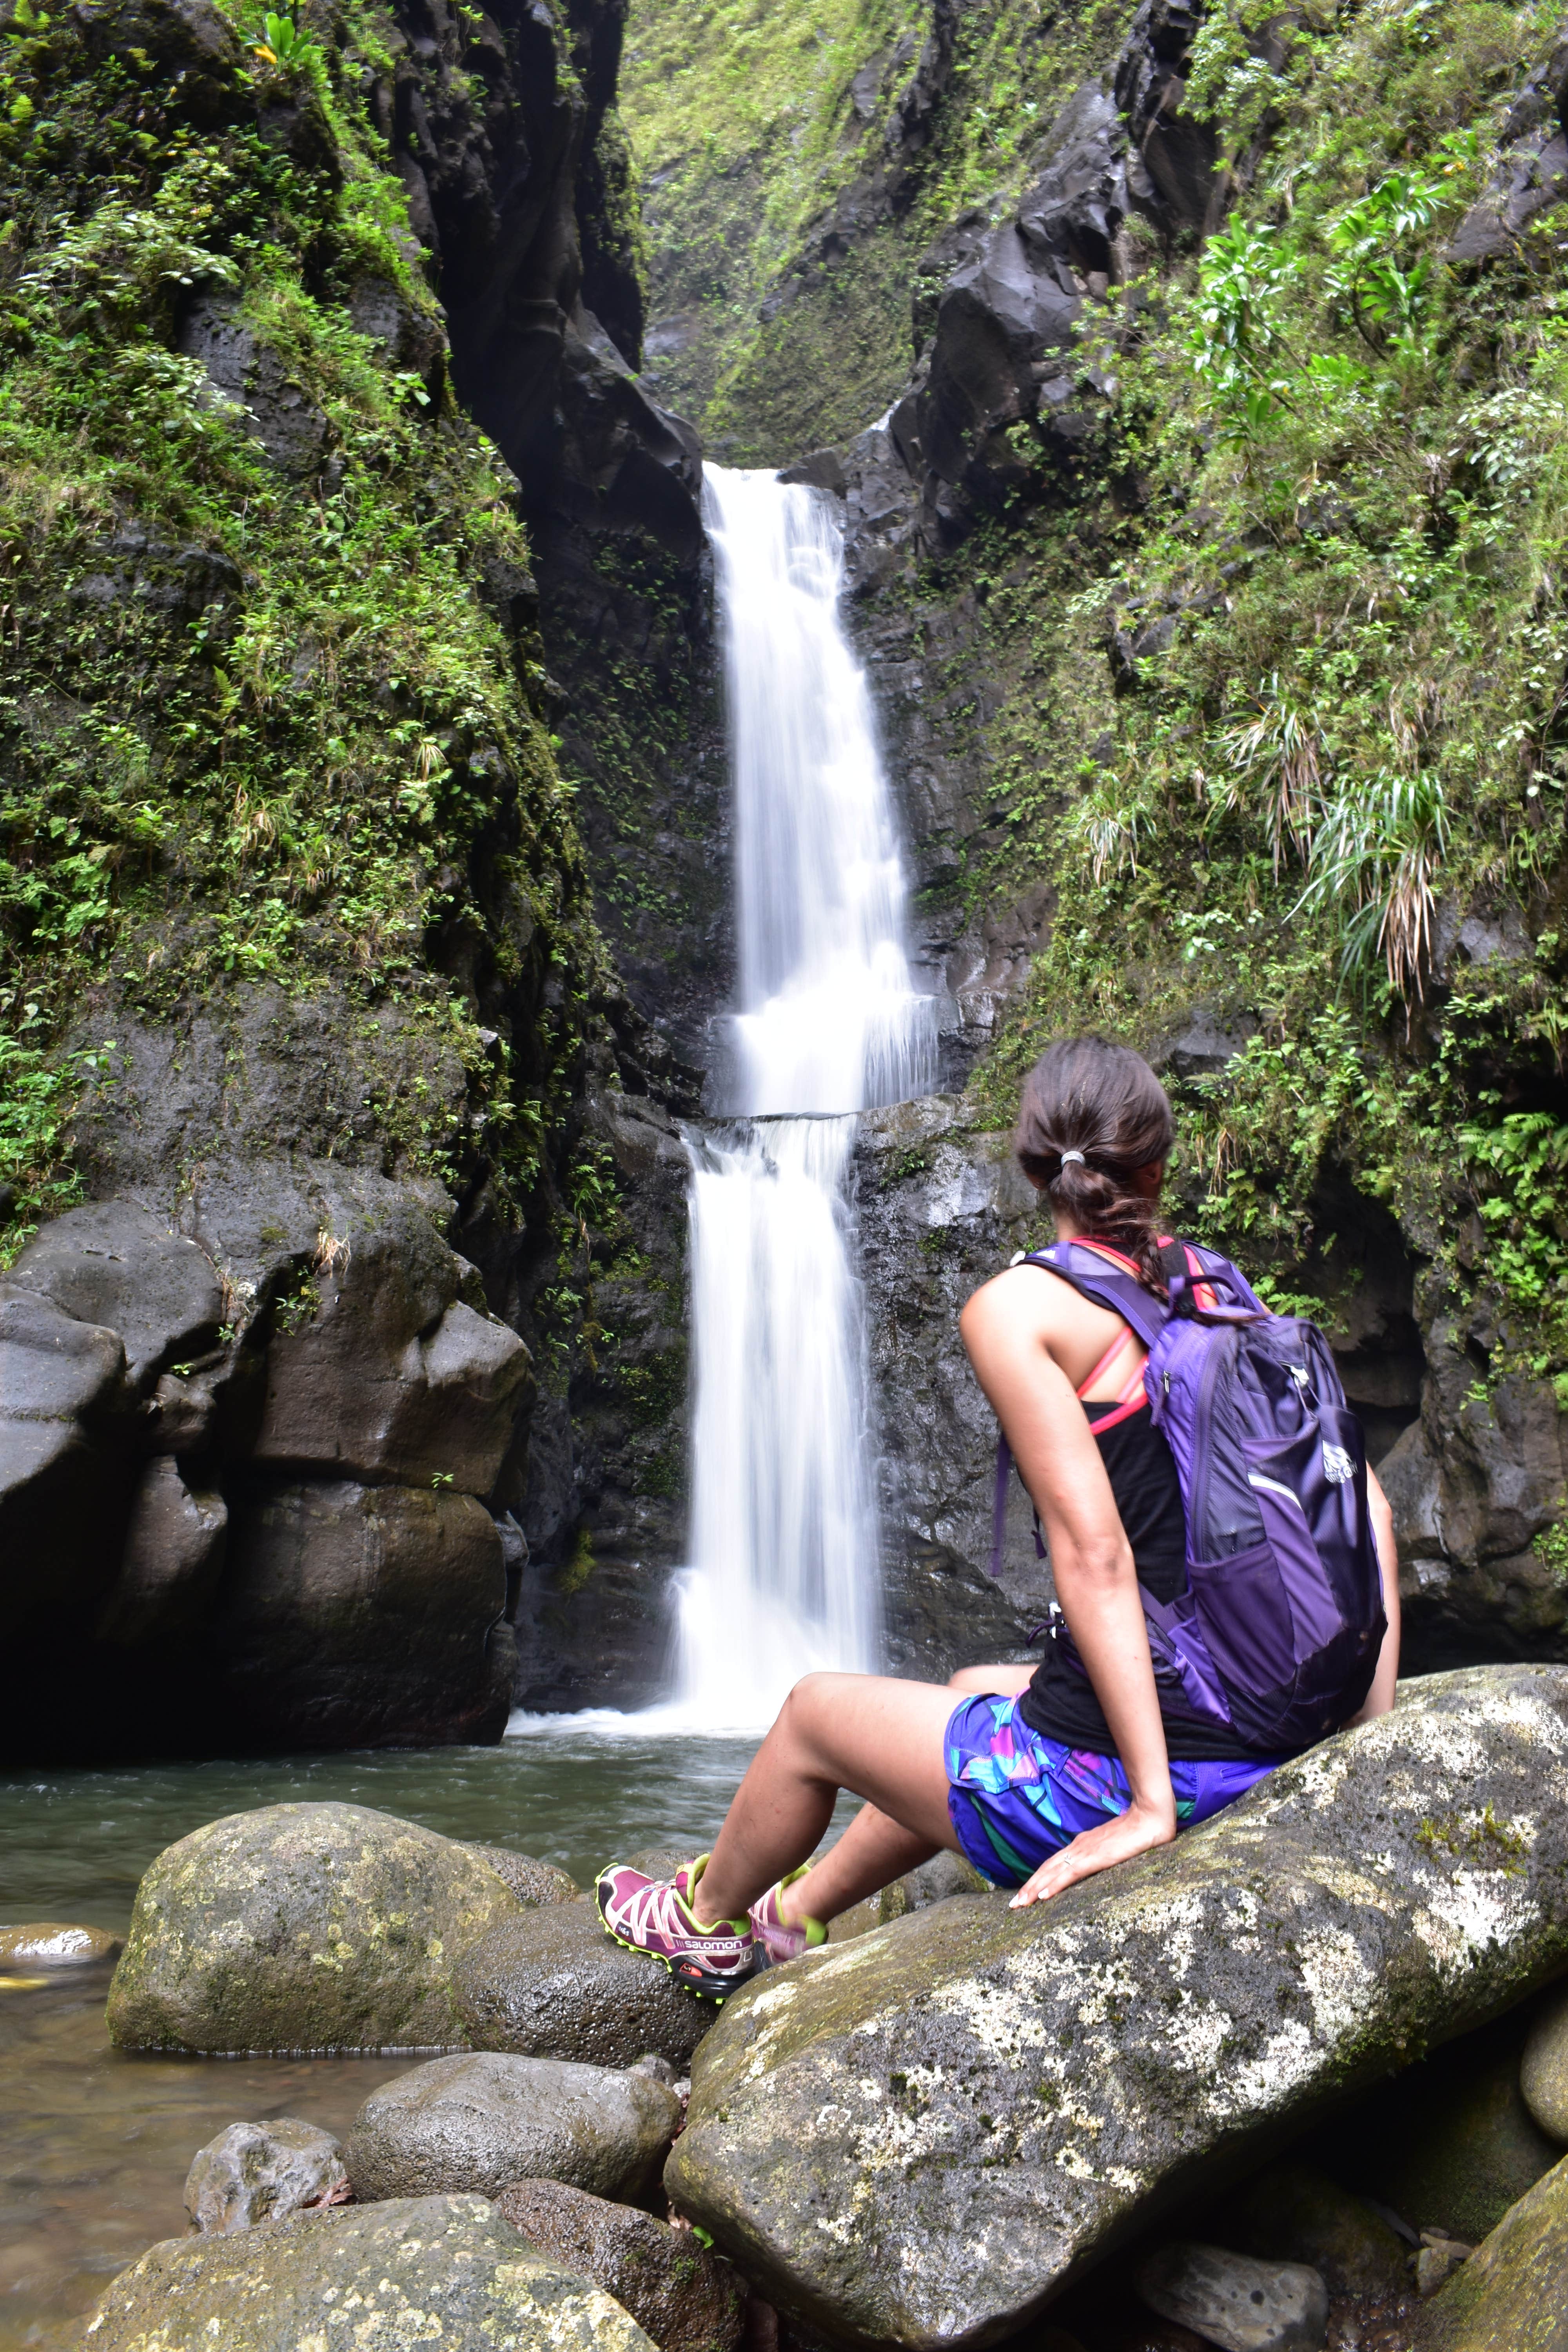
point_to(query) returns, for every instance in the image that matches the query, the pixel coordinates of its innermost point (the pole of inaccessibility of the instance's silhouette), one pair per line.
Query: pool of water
(94, 2146)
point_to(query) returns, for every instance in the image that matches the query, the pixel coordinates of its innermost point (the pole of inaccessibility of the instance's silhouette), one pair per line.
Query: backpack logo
(1337, 1467)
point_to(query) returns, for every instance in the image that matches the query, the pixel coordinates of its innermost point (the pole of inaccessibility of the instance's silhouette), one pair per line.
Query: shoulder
(1031, 1295)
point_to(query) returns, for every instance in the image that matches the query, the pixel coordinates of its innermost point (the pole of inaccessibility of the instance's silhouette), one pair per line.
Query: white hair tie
(1074, 1155)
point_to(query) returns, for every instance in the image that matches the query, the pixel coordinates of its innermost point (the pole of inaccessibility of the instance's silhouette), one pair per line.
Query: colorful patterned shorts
(1015, 1796)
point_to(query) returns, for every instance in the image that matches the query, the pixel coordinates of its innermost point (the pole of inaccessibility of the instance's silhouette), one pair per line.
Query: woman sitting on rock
(1041, 1777)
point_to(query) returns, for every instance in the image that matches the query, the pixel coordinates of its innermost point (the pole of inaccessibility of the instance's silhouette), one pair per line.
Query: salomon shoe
(654, 1916)
(776, 1942)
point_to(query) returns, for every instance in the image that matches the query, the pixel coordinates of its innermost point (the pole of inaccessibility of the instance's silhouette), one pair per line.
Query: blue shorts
(1013, 1796)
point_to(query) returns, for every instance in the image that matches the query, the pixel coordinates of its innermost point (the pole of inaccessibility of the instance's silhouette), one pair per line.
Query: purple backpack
(1278, 1634)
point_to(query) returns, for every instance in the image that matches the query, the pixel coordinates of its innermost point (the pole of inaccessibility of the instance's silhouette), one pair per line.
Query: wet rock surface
(1027, 2083)
(686, 2299)
(476, 2123)
(535, 1883)
(259, 2172)
(552, 1985)
(1512, 2294)
(56, 1943)
(1295, 2213)
(1232, 2301)
(413, 2269)
(306, 1927)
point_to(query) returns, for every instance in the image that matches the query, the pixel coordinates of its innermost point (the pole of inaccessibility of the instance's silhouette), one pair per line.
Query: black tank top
(1060, 1700)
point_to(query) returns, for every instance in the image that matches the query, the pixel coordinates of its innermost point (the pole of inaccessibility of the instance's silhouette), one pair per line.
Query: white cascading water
(783, 1575)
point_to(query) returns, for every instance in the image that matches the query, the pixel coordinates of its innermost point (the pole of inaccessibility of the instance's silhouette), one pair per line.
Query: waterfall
(784, 1574)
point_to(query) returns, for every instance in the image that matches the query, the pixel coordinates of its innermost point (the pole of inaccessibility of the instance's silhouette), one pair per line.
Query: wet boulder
(688, 2299)
(415, 2270)
(1234, 2302)
(534, 1884)
(355, 1615)
(259, 2172)
(1512, 2293)
(916, 2136)
(307, 1926)
(476, 2123)
(56, 1943)
(550, 1984)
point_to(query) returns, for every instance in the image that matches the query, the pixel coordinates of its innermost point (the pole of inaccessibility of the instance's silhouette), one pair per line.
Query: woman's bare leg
(998, 1681)
(873, 1851)
(867, 1732)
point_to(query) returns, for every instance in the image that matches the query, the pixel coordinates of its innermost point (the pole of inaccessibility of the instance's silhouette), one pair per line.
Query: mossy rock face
(1512, 2293)
(302, 1927)
(919, 2136)
(411, 2271)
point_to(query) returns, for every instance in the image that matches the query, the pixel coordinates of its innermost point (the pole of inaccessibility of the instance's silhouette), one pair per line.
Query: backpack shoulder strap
(1108, 1279)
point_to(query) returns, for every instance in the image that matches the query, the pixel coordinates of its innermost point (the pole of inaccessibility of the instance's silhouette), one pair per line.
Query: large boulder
(172, 1557)
(919, 2136)
(550, 1984)
(115, 1265)
(356, 1615)
(302, 1928)
(385, 1373)
(688, 2299)
(1512, 2293)
(65, 1473)
(479, 2122)
(417, 2270)
(1543, 2067)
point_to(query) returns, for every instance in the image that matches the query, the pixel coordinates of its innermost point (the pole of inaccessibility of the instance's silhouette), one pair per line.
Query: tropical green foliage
(256, 723)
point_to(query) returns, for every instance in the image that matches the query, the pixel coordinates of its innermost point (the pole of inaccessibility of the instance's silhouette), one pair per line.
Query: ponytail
(1091, 1116)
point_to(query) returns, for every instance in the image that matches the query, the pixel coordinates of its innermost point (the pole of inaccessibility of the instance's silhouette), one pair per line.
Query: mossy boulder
(1512, 2293)
(307, 1926)
(411, 2271)
(920, 2136)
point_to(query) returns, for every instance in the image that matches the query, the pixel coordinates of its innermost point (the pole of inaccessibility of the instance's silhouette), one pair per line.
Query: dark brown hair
(1086, 1094)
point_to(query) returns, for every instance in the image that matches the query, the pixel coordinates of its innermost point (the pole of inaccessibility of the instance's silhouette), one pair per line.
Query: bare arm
(1005, 1329)
(1379, 1697)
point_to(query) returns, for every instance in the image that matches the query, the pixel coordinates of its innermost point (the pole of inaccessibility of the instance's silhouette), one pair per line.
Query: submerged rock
(52, 1944)
(259, 2172)
(550, 1984)
(1232, 2301)
(1512, 2293)
(919, 2136)
(1544, 2069)
(318, 1926)
(476, 2123)
(446, 2269)
(688, 2299)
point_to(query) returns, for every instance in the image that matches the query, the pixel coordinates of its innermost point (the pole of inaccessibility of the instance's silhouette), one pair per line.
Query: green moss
(750, 122)
(255, 724)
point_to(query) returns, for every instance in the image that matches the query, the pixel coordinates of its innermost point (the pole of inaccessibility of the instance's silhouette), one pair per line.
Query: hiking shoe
(775, 1942)
(654, 1916)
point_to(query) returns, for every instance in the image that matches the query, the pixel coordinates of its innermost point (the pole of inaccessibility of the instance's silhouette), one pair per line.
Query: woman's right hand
(1137, 1831)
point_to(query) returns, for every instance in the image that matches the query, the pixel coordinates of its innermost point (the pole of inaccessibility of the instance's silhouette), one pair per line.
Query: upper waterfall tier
(828, 1020)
